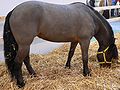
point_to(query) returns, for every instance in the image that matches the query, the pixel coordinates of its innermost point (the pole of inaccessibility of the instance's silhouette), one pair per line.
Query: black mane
(104, 21)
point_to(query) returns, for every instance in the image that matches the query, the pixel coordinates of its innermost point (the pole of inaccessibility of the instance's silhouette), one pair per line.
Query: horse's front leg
(71, 52)
(84, 48)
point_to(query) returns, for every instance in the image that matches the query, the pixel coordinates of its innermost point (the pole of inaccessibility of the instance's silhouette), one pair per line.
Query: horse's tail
(10, 45)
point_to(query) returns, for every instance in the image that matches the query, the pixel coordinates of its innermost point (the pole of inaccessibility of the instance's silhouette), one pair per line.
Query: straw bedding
(51, 74)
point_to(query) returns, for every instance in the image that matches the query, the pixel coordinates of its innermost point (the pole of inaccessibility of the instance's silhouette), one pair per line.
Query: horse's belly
(58, 37)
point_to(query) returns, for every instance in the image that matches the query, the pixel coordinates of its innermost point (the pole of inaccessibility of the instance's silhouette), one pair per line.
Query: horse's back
(66, 21)
(34, 18)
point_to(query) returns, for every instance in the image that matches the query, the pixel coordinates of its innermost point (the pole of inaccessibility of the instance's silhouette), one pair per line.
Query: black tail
(10, 45)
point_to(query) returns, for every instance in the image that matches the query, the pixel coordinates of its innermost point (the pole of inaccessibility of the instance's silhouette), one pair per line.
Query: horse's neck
(104, 38)
(104, 33)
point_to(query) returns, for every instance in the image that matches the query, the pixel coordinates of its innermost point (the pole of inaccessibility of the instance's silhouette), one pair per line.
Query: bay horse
(75, 23)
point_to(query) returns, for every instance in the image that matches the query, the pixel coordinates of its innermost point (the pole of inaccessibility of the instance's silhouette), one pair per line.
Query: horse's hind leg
(84, 48)
(28, 65)
(21, 54)
(71, 52)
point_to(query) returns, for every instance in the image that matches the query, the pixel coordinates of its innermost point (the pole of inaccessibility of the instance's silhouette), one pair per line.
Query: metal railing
(106, 8)
(109, 8)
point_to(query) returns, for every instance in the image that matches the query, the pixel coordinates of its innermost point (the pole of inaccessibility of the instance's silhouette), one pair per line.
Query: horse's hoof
(87, 73)
(20, 85)
(33, 75)
(67, 66)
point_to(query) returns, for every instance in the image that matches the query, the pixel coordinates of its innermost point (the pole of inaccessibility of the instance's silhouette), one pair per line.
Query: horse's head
(105, 57)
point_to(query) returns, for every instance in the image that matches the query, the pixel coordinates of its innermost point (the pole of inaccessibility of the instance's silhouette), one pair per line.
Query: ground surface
(51, 74)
